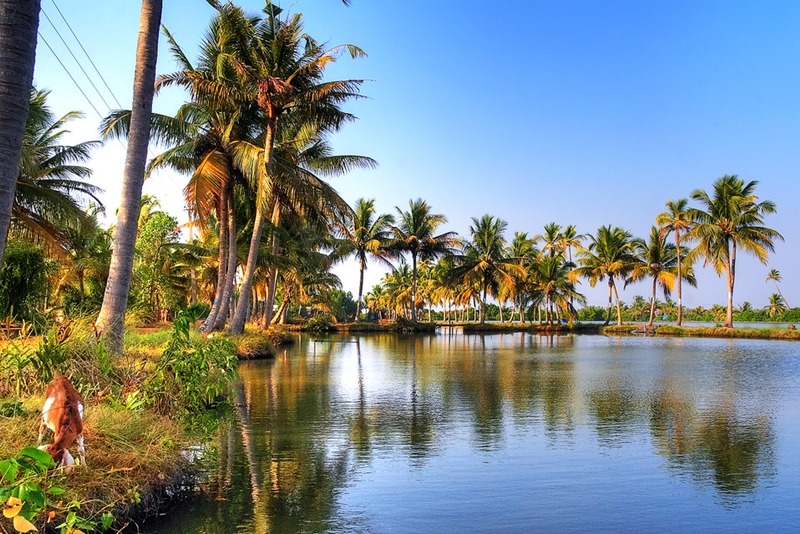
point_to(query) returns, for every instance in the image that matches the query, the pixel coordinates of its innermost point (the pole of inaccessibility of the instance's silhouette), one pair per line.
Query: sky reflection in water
(509, 433)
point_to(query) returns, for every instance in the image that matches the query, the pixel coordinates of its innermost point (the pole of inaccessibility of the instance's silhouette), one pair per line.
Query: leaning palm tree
(657, 259)
(732, 219)
(775, 276)
(51, 184)
(366, 236)
(483, 261)
(610, 255)
(415, 233)
(109, 322)
(17, 57)
(676, 219)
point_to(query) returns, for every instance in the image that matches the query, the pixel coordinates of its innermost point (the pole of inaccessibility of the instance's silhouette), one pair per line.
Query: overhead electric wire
(96, 90)
(119, 106)
(69, 74)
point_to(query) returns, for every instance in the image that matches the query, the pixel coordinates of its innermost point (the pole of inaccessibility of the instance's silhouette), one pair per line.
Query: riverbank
(789, 334)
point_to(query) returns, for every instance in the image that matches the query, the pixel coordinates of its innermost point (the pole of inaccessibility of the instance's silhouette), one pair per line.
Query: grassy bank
(487, 328)
(705, 331)
(144, 411)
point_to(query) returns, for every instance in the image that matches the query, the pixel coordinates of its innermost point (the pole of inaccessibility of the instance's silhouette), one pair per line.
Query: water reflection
(338, 416)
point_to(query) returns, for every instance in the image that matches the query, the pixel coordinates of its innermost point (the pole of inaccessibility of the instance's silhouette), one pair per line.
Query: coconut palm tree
(776, 306)
(115, 300)
(676, 220)
(555, 282)
(526, 255)
(657, 259)
(732, 219)
(278, 71)
(17, 56)
(367, 235)
(51, 184)
(775, 276)
(415, 233)
(551, 239)
(484, 260)
(610, 255)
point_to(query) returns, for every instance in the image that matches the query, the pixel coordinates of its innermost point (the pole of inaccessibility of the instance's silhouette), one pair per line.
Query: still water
(509, 433)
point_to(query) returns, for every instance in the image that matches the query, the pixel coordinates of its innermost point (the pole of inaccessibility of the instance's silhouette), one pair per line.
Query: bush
(319, 323)
(23, 281)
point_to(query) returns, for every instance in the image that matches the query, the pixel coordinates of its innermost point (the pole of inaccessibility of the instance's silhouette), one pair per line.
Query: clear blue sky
(578, 112)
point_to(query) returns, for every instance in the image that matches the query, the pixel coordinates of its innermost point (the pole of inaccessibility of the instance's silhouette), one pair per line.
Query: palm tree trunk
(610, 299)
(361, 267)
(414, 286)
(653, 302)
(230, 269)
(239, 316)
(115, 300)
(19, 22)
(731, 280)
(222, 263)
(616, 299)
(272, 286)
(680, 277)
(237, 322)
(483, 305)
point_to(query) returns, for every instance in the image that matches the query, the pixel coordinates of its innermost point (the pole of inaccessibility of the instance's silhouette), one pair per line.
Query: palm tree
(484, 261)
(657, 259)
(610, 255)
(551, 239)
(556, 284)
(112, 313)
(367, 236)
(776, 305)
(676, 220)
(416, 234)
(525, 253)
(50, 186)
(17, 56)
(775, 276)
(732, 219)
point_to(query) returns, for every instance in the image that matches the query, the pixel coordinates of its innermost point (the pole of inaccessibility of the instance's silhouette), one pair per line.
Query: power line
(69, 74)
(76, 60)
(119, 106)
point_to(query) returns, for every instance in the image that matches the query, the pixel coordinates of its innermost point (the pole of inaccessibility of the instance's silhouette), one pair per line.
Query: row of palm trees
(729, 219)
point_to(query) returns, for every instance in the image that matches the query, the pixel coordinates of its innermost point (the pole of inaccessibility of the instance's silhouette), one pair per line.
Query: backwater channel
(508, 433)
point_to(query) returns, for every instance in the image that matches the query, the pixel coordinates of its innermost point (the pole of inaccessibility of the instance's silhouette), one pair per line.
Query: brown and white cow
(63, 414)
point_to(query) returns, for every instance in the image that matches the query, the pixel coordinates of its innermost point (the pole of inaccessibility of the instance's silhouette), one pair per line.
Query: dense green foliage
(23, 281)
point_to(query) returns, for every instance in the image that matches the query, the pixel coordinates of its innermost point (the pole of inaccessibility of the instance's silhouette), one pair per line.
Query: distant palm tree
(732, 219)
(610, 255)
(551, 239)
(676, 219)
(367, 235)
(484, 261)
(415, 233)
(776, 305)
(51, 184)
(775, 276)
(556, 283)
(657, 259)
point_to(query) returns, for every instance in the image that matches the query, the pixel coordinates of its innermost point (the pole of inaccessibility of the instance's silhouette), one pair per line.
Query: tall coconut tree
(657, 259)
(110, 321)
(278, 70)
(550, 238)
(609, 256)
(415, 234)
(676, 220)
(19, 22)
(484, 260)
(367, 235)
(52, 182)
(775, 276)
(731, 218)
